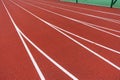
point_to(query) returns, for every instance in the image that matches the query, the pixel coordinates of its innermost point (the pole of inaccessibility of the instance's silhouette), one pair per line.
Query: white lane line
(49, 58)
(78, 21)
(93, 10)
(80, 44)
(87, 40)
(43, 53)
(25, 45)
(90, 15)
(106, 19)
(110, 49)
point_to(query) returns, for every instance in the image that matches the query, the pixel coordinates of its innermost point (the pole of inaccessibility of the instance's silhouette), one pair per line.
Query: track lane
(52, 76)
(49, 70)
(49, 38)
(82, 16)
(83, 30)
(105, 28)
(115, 58)
(15, 63)
(108, 29)
(78, 10)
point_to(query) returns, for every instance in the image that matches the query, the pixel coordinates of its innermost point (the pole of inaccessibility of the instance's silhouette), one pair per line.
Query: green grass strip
(97, 2)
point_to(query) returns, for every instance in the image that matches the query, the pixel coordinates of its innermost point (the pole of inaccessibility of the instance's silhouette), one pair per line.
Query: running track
(52, 40)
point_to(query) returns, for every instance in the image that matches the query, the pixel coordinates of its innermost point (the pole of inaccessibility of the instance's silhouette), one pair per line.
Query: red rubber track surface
(15, 63)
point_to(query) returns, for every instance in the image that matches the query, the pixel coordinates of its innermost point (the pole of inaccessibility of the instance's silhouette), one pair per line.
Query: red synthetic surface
(15, 64)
